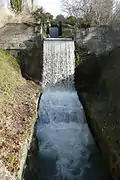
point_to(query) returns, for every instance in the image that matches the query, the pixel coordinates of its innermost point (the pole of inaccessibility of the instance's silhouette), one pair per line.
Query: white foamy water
(58, 64)
(67, 150)
(66, 147)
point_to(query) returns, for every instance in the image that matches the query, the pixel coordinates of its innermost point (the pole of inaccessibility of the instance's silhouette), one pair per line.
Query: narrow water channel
(67, 150)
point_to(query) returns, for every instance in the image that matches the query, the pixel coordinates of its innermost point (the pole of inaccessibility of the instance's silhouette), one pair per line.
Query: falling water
(58, 64)
(67, 150)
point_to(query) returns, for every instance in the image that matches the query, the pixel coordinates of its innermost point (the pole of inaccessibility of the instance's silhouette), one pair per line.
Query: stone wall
(24, 41)
(98, 40)
(15, 35)
(97, 80)
(32, 61)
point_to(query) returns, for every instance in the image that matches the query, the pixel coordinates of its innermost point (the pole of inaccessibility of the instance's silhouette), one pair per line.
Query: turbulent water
(67, 150)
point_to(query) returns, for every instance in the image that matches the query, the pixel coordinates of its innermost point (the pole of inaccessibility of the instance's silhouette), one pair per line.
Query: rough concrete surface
(98, 85)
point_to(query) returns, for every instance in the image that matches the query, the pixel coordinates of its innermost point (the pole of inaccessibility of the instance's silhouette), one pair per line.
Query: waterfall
(67, 150)
(58, 63)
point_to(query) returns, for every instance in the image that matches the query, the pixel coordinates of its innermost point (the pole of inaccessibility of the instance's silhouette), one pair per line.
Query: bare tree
(102, 11)
(116, 11)
(77, 8)
(98, 12)
(28, 5)
(32, 4)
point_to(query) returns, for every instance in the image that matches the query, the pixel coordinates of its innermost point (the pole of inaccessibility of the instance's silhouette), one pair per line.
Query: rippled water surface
(66, 147)
(67, 150)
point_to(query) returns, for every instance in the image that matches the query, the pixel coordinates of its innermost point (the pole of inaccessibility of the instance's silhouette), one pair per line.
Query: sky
(52, 6)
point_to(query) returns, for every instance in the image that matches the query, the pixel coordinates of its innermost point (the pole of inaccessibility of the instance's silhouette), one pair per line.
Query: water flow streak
(66, 147)
(58, 64)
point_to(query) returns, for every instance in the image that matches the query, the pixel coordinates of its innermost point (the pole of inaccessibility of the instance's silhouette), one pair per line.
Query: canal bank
(66, 147)
(97, 83)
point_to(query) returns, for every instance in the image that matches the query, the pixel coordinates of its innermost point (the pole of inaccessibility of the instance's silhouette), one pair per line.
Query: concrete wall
(97, 81)
(24, 41)
(98, 40)
(18, 36)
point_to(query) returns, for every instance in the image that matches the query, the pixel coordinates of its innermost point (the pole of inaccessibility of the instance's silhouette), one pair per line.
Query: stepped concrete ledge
(58, 39)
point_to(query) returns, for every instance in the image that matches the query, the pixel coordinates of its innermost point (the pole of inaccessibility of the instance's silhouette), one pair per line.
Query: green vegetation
(16, 5)
(77, 59)
(9, 76)
(61, 18)
(18, 112)
(71, 20)
(41, 16)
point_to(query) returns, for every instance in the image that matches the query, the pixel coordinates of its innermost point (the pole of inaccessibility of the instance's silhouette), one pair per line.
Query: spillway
(67, 150)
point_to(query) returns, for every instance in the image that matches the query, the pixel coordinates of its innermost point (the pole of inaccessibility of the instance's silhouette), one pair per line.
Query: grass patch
(9, 77)
(17, 111)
